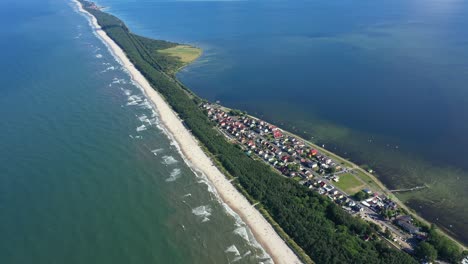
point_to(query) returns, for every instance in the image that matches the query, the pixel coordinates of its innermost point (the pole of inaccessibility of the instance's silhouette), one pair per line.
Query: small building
(406, 222)
(358, 208)
(365, 203)
(277, 134)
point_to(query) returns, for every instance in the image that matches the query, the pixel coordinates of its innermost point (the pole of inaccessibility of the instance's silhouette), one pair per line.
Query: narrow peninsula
(302, 203)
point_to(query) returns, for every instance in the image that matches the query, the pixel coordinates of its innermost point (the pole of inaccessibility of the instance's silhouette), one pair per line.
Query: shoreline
(262, 230)
(383, 188)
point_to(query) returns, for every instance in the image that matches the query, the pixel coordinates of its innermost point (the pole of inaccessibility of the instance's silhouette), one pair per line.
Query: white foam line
(156, 151)
(141, 128)
(175, 174)
(264, 231)
(232, 249)
(169, 160)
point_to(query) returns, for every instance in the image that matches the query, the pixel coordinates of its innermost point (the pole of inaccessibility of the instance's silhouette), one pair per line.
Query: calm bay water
(87, 175)
(381, 82)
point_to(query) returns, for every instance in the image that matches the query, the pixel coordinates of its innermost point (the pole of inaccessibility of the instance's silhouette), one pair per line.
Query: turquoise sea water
(380, 82)
(87, 175)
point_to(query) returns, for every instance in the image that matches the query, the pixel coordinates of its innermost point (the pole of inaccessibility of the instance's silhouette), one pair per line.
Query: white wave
(197, 172)
(130, 136)
(265, 258)
(146, 105)
(232, 249)
(98, 55)
(119, 81)
(242, 232)
(211, 189)
(152, 121)
(110, 68)
(187, 195)
(168, 160)
(267, 261)
(203, 211)
(156, 151)
(132, 103)
(126, 92)
(143, 118)
(160, 127)
(135, 98)
(175, 174)
(141, 128)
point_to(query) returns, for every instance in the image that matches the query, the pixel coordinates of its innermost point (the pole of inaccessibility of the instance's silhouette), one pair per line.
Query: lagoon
(382, 83)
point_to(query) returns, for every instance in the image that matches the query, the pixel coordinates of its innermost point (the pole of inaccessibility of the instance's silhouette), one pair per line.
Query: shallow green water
(381, 82)
(87, 175)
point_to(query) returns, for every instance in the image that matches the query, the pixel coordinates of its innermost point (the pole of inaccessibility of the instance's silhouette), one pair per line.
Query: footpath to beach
(262, 230)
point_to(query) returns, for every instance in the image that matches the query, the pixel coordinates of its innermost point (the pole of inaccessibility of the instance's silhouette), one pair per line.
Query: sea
(87, 172)
(383, 83)
(89, 175)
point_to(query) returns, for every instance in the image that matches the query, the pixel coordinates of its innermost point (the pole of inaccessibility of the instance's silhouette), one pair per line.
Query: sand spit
(262, 230)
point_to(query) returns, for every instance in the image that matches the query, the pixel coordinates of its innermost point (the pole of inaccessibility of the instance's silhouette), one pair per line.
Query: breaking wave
(175, 174)
(168, 160)
(232, 249)
(119, 81)
(134, 100)
(242, 232)
(110, 68)
(156, 151)
(203, 212)
(127, 92)
(141, 128)
(143, 118)
(146, 105)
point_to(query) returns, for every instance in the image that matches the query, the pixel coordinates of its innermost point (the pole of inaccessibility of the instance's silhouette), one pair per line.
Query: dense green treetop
(326, 232)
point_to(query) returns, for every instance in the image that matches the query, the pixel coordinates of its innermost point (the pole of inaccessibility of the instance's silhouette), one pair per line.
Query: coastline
(384, 190)
(381, 187)
(263, 231)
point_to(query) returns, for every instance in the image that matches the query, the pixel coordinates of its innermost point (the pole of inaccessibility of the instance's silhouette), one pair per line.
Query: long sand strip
(262, 230)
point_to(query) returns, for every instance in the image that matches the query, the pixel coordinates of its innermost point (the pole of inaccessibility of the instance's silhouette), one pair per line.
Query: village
(294, 158)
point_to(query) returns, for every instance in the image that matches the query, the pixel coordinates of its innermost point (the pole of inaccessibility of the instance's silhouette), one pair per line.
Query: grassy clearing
(297, 178)
(368, 181)
(185, 53)
(349, 183)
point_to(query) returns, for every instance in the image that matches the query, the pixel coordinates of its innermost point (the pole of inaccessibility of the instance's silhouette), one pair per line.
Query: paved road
(367, 214)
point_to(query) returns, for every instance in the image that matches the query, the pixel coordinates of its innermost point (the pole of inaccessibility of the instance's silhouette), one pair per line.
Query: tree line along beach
(139, 57)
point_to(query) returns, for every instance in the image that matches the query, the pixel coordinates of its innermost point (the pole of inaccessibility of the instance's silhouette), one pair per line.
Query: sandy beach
(262, 230)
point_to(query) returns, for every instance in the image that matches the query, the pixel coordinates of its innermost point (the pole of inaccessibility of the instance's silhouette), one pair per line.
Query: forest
(322, 229)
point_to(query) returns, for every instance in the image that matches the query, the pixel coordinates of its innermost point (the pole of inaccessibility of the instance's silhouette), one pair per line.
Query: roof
(405, 223)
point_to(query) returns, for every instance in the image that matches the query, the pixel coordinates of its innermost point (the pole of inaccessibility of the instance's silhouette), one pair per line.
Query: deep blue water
(87, 175)
(381, 82)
